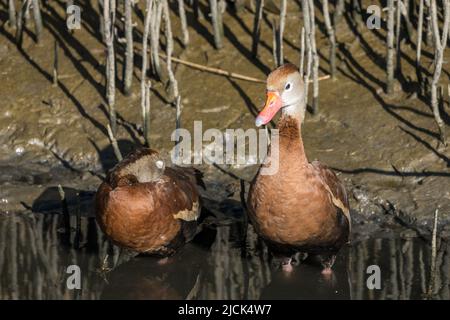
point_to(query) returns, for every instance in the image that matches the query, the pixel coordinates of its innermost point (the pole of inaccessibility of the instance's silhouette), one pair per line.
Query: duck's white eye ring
(288, 86)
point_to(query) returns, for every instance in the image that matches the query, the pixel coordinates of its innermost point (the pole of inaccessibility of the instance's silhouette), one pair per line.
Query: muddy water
(35, 251)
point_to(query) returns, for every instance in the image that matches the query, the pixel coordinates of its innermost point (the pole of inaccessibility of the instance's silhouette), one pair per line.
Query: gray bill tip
(259, 121)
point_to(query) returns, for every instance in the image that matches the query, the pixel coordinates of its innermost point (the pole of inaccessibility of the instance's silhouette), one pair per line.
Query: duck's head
(285, 90)
(142, 166)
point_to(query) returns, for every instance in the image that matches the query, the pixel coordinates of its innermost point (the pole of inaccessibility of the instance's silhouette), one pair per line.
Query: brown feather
(293, 209)
(143, 216)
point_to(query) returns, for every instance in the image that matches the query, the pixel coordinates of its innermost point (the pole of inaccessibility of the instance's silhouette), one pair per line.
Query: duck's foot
(327, 262)
(163, 261)
(286, 265)
(327, 272)
(104, 268)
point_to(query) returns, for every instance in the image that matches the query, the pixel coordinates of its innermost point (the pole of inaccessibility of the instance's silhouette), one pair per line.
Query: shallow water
(35, 253)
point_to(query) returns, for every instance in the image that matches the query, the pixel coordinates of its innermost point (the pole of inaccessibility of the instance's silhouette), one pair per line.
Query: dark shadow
(394, 172)
(387, 107)
(244, 51)
(131, 128)
(107, 156)
(181, 276)
(428, 146)
(307, 282)
(50, 201)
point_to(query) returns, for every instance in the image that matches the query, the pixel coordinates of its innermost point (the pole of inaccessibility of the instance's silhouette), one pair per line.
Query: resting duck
(147, 207)
(303, 207)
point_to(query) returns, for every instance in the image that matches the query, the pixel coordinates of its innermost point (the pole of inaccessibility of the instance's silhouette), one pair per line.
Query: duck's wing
(194, 175)
(334, 186)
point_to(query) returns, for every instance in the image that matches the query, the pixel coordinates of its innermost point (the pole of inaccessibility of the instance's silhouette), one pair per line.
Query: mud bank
(384, 148)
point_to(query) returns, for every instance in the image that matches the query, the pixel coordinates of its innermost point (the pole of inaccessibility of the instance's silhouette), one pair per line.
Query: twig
(216, 16)
(280, 33)
(440, 43)
(146, 115)
(275, 42)
(154, 38)
(409, 26)
(20, 21)
(177, 126)
(37, 19)
(145, 88)
(12, 21)
(433, 254)
(129, 55)
(339, 9)
(390, 48)
(184, 27)
(109, 9)
(302, 51)
(55, 64)
(114, 144)
(419, 43)
(307, 26)
(223, 72)
(315, 58)
(257, 27)
(169, 49)
(331, 37)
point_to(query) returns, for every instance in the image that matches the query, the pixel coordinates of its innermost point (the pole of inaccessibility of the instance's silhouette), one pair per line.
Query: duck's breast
(293, 207)
(147, 216)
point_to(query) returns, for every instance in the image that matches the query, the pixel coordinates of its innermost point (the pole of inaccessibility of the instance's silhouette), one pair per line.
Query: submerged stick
(65, 210)
(129, 54)
(257, 27)
(183, 21)
(433, 254)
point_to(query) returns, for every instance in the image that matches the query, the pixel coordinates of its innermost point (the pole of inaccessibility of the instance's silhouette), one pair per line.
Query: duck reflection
(150, 278)
(305, 281)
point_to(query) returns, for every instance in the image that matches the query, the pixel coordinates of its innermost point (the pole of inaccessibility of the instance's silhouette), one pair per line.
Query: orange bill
(273, 104)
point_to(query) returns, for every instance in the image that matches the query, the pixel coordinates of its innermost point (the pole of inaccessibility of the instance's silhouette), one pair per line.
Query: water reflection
(35, 252)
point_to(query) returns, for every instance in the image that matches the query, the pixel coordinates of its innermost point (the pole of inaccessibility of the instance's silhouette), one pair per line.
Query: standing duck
(147, 207)
(302, 207)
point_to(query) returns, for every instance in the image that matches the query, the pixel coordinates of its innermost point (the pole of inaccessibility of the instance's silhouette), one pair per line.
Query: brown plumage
(303, 206)
(146, 207)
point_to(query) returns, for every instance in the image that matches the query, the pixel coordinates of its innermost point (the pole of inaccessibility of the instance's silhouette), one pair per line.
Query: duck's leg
(286, 264)
(327, 261)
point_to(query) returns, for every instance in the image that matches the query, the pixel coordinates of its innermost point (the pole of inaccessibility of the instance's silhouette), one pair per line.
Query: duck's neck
(290, 132)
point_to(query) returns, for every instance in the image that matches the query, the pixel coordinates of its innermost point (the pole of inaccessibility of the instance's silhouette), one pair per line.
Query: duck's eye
(287, 86)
